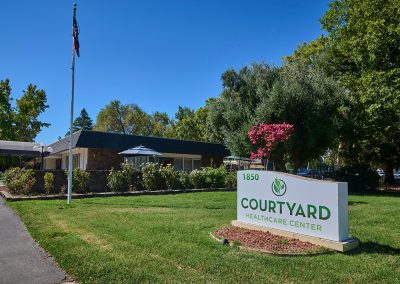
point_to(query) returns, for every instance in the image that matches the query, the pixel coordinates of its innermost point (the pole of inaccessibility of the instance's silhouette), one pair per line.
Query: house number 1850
(251, 176)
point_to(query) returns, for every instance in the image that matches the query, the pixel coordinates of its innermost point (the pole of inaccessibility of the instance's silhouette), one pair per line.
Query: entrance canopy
(18, 149)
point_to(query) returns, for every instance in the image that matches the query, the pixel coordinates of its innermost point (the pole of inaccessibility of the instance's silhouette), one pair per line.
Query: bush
(19, 181)
(198, 179)
(171, 177)
(116, 181)
(131, 176)
(231, 180)
(359, 179)
(214, 177)
(185, 180)
(80, 180)
(152, 177)
(48, 182)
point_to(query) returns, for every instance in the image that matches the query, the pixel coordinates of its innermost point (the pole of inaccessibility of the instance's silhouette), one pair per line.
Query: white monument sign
(294, 204)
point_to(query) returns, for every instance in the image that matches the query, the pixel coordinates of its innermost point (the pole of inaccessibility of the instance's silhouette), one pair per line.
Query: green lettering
(327, 213)
(311, 211)
(252, 202)
(272, 206)
(290, 208)
(243, 204)
(265, 205)
(280, 206)
(300, 211)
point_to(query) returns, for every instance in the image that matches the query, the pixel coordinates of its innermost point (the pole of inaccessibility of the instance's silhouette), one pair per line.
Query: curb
(7, 196)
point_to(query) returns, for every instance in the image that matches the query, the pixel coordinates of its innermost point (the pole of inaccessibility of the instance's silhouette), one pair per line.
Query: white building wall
(83, 159)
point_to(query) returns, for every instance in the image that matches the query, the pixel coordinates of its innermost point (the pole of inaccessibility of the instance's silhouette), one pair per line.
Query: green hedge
(19, 181)
(159, 178)
(153, 177)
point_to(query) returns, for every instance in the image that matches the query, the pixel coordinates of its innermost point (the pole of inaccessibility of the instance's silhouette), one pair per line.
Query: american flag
(75, 33)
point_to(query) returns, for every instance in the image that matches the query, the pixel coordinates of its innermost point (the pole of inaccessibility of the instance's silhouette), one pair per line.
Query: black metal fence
(392, 187)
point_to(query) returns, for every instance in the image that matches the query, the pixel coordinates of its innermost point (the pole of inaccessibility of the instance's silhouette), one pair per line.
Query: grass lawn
(166, 239)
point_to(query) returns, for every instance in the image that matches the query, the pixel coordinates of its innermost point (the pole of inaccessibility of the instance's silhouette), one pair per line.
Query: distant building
(93, 150)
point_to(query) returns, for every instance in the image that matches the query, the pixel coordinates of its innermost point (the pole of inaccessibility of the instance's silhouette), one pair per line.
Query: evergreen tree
(82, 122)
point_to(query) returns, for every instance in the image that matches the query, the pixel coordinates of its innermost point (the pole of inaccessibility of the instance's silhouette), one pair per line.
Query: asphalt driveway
(21, 259)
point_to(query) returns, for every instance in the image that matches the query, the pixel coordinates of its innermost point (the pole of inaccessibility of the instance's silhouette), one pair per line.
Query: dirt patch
(265, 241)
(84, 235)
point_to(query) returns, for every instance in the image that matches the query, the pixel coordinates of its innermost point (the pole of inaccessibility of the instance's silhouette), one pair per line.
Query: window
(196, 164)
(178, 164)
(76, 161)
(187, 165)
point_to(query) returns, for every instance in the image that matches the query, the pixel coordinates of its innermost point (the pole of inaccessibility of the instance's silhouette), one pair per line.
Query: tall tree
(362, 51)
(311, 101)
(295, 94)
(21, 122)
(82, 122)
(160, 122)
(233, 113)
(191, 124)
(128, 119)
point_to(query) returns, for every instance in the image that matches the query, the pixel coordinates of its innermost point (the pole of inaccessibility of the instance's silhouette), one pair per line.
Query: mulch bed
(267, 242)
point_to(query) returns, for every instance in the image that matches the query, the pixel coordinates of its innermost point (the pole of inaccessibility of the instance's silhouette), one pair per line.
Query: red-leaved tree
(267, 137)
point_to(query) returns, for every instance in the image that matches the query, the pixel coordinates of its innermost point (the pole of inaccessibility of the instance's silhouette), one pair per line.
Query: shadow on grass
(376, 193)
(352, 203)
(374, 248)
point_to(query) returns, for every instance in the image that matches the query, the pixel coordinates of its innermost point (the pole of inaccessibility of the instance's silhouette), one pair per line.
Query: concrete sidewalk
(21, 259)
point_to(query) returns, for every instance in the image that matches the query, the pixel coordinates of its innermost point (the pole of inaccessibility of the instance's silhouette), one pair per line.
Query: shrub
(80, 180)
(19, 181)
(185, 180)
(214, 177)
(171, 177)
(198, 179)
(359, 179)
(231, 180)
(152, 177)
(116, 180)
(9, 175)
(48, 182)
(131, 176)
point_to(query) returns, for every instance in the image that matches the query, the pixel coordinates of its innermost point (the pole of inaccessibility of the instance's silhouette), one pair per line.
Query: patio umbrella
(139, 151)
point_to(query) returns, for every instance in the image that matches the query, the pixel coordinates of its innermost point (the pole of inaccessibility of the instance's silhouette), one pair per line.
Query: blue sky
(156, 53)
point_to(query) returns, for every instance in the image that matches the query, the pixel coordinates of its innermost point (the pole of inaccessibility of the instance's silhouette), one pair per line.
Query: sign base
(339, 246)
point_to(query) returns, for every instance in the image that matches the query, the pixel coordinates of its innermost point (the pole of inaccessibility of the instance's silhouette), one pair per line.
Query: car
(396, 175)
(380, 172)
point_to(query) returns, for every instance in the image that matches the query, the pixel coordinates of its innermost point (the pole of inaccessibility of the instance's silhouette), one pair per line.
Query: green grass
(166, 239)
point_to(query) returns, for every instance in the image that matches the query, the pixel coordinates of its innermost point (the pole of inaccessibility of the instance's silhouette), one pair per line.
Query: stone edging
(7, 196)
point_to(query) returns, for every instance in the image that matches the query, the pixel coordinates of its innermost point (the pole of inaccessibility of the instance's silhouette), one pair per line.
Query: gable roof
(121, 142)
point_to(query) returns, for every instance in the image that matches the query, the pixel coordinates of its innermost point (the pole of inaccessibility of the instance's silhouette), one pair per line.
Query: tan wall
(103, 159)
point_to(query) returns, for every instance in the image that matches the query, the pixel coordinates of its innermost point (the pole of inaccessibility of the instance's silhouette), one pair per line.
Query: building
(94, 150)
(20, 151)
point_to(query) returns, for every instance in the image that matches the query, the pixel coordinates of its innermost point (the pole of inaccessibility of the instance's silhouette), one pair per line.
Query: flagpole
(69, 197)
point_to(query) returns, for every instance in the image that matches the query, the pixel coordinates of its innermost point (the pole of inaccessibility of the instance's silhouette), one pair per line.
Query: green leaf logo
(278, 187)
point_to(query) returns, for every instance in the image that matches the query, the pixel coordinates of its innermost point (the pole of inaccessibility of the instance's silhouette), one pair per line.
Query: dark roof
(18, 148)
(121, 142)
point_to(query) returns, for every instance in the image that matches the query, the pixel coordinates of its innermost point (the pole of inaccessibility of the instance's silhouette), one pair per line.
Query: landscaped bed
(266, 242)
(166, 238)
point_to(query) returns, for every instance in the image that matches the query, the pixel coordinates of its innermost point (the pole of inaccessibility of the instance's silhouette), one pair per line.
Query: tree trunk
(389, 177)
(279, 164)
